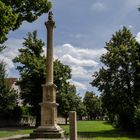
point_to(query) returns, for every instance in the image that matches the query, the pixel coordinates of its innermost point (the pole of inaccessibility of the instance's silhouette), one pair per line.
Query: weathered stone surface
(49, 127)
(73, 125)
(46, 133)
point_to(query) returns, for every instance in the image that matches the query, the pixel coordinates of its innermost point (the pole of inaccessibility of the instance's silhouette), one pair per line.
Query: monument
(49, 127)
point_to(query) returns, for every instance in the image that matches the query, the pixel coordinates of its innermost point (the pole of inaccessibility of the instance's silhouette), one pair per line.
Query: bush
(137, 118)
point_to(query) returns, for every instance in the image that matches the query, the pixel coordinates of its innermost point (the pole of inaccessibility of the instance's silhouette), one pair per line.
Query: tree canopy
(8, 96)
(119, 79)
(14, 12)
(92, 104)
(31, 68)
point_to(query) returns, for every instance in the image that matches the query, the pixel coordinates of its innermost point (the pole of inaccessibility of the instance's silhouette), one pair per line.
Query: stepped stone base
(48, 132)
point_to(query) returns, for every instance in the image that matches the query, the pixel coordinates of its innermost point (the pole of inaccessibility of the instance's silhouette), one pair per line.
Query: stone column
(49, 127)
(50, 24)
(73, 125)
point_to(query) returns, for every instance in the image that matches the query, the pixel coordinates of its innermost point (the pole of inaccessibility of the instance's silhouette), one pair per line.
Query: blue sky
(82, 28)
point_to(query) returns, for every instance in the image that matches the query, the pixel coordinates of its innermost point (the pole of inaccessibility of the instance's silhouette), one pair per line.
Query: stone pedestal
(49, 127)
(42, 133)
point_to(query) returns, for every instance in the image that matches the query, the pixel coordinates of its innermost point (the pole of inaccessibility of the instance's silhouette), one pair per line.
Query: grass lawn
(7, 132)
(100, 130)
(87, 130)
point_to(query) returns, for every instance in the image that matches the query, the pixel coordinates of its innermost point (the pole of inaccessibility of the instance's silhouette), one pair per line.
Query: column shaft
(49, 69)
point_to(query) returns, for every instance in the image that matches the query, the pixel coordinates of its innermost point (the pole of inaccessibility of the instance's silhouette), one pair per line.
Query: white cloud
(8, 62)
(8, 54)
(70, 60)
(83, 63)
(138, 37)
(78, 52)
(98, 6)
(79, 72)
(78, 85)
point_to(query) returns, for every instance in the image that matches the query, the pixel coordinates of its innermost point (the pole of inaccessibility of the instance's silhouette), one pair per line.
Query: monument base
(48, 132)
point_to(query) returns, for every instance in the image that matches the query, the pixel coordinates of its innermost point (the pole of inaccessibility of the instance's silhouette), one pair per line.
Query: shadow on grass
(107, 134)
(15, 128)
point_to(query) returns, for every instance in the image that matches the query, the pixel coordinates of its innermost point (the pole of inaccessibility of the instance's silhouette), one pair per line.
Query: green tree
(14, 12)
(81, 110)
(32, 71)
(8, 96)
(68, 100)
(118, 80)
(7, 20)
(92, 103)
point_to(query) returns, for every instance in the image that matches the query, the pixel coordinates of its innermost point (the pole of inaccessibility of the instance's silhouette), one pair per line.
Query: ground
(87, 130)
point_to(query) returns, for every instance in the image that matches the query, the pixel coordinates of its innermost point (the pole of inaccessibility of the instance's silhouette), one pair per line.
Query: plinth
(49, 127)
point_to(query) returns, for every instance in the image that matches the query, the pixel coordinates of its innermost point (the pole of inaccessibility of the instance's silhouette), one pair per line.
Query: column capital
(50, 23)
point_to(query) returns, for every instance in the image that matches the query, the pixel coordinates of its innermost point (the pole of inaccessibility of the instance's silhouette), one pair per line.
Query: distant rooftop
(11, 80)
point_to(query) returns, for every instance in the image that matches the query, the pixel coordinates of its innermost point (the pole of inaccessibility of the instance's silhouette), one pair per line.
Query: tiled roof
(11, 80)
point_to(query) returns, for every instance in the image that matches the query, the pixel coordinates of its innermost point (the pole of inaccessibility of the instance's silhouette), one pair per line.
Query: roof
(11, 80)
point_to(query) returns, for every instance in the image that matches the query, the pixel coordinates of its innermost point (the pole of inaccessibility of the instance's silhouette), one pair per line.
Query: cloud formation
(138, 37)
(83, 63)
(79, 86)
(8, 54)
(70, 60)
(78, 52)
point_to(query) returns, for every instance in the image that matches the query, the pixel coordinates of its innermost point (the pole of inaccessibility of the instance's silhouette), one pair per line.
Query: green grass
(87, 130)
(100, 130)
(7, 132)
